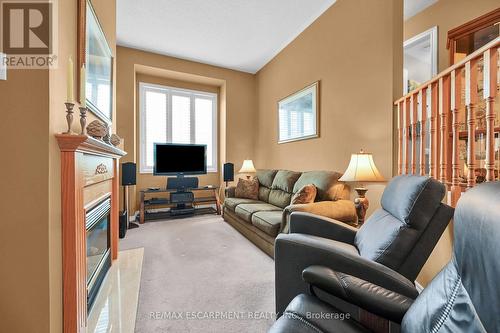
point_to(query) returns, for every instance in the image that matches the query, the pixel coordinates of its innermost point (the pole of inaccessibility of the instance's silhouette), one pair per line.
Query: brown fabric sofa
(263, 219)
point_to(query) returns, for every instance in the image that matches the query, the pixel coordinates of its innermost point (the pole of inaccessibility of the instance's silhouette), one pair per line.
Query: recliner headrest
(408, 198)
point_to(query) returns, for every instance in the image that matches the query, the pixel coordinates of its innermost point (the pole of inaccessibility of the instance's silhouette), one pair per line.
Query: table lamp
(247, 167)
(361, 169)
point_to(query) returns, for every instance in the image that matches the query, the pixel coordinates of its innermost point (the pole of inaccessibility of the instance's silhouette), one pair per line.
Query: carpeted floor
(200, 275)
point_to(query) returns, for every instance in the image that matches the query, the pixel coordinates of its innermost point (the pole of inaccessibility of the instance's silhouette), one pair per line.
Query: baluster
(407, 135)
(400, 138)
(455, 101)
(489, 93)
(422, 114)
(444, 107)
(470, 102)
(434, 155)
(413, 116)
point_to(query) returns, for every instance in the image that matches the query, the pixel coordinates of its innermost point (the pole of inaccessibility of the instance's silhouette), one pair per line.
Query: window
(176, 115)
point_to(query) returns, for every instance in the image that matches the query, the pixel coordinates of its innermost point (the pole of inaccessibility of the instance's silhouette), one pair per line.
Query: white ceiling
(237, 34)
(413, 7)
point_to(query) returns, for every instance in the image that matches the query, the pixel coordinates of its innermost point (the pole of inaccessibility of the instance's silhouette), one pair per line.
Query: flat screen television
(179, 159)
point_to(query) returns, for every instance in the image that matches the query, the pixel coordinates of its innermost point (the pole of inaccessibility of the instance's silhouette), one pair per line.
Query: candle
(83, 81)
(69, 84)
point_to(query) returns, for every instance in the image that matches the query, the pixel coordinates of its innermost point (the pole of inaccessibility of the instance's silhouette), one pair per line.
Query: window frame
(169, 92)
(315, 87)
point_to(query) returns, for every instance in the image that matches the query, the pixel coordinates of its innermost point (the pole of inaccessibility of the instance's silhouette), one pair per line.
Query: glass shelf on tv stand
(164, 190)
(149, 212)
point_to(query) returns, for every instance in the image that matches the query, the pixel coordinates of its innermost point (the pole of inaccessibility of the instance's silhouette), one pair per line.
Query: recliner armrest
(371, 297)
(311, 224)
(326, 252)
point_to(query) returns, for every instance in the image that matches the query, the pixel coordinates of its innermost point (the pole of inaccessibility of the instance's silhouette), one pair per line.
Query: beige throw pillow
(305, 195)
(247, 188)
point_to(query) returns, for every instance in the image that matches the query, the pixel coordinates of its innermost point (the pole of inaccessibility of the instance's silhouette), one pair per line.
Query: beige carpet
(201, 275)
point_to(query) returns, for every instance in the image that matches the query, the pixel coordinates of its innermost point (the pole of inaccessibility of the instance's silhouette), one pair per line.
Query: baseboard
(419, 287)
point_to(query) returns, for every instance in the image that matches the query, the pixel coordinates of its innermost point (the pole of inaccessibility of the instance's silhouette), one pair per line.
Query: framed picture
(95, 54)
(298, 115)
(420, 59)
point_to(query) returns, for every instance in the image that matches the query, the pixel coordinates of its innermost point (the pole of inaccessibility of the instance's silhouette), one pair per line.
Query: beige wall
(24, 239)
(33, 111)
(355, 50)
(446, 15)
(237, 105)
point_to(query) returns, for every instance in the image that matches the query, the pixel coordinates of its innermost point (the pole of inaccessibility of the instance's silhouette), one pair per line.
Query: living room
(227, 247)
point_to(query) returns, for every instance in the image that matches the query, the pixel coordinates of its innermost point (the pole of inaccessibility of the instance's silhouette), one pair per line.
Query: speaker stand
(130, 225)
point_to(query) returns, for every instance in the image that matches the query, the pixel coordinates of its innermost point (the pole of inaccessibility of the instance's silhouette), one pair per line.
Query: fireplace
(98, 245)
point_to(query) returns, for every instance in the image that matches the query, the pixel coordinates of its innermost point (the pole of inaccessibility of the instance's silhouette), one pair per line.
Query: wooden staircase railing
(449, 127)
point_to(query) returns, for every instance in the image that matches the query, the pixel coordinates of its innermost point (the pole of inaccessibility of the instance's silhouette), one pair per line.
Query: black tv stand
(150, 202)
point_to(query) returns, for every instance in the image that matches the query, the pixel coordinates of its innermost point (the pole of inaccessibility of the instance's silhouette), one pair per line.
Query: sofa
(262, 220)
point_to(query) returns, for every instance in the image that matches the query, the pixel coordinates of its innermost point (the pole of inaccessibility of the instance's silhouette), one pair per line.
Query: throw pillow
(305, 195)
(247, 188)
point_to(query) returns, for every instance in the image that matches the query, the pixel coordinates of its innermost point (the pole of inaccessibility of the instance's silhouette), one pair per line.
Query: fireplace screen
(97, 224)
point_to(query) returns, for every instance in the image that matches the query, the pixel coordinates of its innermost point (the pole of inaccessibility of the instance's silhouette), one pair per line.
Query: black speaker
(181, 183)
(123, 225)
(128, 173)
(228, 172)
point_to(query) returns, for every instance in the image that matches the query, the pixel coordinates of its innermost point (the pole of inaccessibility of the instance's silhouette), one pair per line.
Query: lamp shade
(362, 169)
(247, 167)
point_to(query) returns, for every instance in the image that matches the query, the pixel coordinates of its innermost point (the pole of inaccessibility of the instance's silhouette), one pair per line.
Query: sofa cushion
(282, 188)
(327, 184)
(266, 177)
(268, 221)
(231, 203)
(264, 193)
(245, 211)
(280, 198)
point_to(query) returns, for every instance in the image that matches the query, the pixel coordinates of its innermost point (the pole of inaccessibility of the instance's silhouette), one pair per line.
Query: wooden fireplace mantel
(89, 172)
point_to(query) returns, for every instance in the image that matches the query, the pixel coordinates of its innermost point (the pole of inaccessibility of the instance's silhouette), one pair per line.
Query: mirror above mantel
(95, 55)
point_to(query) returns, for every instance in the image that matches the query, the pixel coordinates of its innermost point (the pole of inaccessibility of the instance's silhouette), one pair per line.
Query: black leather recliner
(463, 297)
(389, 249)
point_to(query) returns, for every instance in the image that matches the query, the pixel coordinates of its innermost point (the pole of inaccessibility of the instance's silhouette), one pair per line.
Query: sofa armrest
(340, 210)
(230, 192)
(307, 223)
(295, 252)
(371, 297)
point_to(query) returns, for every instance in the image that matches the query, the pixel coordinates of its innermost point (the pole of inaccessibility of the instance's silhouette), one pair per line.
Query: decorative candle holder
(83, 119)
(69, 116)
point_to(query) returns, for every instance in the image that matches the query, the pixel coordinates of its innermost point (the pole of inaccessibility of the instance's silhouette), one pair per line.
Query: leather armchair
(388, 250)
(463, 297)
